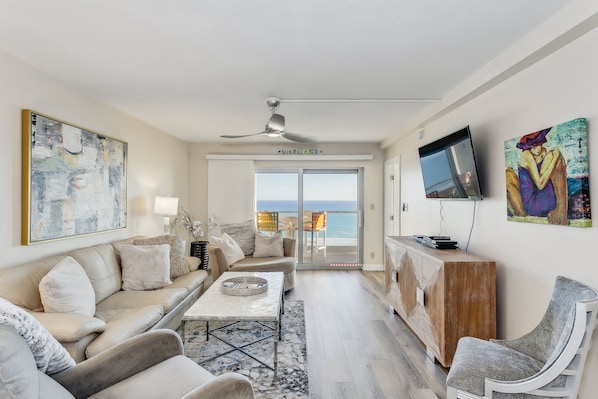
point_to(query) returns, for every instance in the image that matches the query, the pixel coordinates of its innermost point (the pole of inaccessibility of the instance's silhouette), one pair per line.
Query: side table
(199, 250)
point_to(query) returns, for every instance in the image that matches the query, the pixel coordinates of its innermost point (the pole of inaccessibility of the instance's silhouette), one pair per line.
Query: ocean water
(341, 216)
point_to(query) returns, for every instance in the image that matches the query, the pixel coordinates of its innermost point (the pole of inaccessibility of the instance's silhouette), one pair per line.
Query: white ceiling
(197, 69)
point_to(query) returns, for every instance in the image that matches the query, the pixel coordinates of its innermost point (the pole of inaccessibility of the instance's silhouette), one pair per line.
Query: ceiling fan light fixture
(273, 134)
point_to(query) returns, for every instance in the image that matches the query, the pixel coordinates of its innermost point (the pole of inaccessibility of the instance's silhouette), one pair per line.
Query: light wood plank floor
(358, 348)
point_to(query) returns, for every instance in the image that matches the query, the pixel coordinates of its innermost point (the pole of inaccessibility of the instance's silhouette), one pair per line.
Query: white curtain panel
(231, 190)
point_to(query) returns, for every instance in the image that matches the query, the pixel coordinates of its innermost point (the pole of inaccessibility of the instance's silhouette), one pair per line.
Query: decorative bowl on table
(244, 286)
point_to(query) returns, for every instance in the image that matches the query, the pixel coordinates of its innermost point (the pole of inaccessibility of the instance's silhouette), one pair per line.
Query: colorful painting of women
(547, 176)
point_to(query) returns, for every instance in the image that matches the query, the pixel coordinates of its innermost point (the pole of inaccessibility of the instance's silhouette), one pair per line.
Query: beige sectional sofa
(119, 314)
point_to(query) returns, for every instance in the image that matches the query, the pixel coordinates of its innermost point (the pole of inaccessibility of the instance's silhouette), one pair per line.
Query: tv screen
(449, 168)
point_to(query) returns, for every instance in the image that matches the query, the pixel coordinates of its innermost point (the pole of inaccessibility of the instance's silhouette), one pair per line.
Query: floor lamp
(166, 206)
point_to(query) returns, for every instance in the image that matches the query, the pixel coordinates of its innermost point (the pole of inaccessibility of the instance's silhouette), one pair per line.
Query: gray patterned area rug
(292, 382)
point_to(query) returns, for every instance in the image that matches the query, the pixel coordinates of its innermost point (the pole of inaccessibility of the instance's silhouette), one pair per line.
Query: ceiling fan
(275, 127)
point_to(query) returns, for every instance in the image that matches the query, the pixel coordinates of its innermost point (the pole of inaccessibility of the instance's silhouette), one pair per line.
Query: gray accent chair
(286, 263)
(149, 366)
(546, 362)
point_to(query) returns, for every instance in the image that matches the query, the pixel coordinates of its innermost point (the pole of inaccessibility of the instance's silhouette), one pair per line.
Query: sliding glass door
(321, 208)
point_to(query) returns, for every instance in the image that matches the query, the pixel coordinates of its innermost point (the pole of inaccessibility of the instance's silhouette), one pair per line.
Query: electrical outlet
(372, 207)
(372, 255)
(420, 296)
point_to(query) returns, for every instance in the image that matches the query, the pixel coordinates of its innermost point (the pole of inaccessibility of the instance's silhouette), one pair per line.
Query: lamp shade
(166, 205)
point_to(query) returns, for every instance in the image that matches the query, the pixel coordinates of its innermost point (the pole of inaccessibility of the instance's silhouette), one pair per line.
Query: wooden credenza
(442, 295)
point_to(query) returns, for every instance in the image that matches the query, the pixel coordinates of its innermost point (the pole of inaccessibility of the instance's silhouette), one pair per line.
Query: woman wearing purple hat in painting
(541, 188)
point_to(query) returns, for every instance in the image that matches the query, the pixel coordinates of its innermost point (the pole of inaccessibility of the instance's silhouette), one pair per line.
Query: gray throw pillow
(268, 246)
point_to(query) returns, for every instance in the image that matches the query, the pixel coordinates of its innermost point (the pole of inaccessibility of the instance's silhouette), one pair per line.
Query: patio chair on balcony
(288, 224)
(317, 225)
(267, 222)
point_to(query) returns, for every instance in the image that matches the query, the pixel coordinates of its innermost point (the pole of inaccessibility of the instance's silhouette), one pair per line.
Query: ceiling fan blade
(300, 138)
(229, 136)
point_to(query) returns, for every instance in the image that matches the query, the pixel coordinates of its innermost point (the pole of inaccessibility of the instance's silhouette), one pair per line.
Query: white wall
(157, 162)
(561, 87)
(373, 176)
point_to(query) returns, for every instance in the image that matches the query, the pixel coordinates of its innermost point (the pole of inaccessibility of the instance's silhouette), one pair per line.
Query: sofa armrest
(120, 362)
(218, 261)
(229, 385)
(288, 246)
(69, 327)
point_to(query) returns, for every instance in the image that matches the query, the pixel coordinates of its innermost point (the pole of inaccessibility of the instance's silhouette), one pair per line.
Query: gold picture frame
(74, 181)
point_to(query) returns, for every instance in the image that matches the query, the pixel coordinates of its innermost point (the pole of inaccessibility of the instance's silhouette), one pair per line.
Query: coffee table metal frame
(264, 308)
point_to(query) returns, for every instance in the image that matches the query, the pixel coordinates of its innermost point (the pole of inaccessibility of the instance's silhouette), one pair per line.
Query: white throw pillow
(243, 233)
(268, 246)
(145, 267)
(231, 249)
(67, 289)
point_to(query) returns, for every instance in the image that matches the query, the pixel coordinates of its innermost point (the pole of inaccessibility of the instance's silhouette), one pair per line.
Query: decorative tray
(244, 286)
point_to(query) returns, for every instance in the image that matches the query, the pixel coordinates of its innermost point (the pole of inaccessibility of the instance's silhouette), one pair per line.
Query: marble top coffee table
(267, 307)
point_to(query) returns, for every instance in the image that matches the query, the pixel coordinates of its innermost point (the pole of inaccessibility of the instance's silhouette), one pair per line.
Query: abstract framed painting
(547, 176)
(74, 180)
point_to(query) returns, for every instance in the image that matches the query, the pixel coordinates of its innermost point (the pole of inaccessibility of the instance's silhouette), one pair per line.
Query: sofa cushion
(117, 245)
(102, 268)
(476, 360)
(229, 246)
(69, 327)
(284, 264)
(171, 378)
(122, 324)
(67, 289)
(166, 298)
(20, 284)
(190, 281)
(145, 267)
(268, 246)
(178, 263)
(50, 357)
(243, 233)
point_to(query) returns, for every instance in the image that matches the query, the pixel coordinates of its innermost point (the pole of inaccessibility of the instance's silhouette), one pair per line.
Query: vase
(199, 250)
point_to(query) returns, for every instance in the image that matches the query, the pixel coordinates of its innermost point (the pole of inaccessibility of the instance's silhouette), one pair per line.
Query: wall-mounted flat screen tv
(449, 167)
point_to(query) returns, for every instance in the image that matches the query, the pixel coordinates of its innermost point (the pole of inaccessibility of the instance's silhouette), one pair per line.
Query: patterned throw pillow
(50, 356)
(243, 234)
(178, 263)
